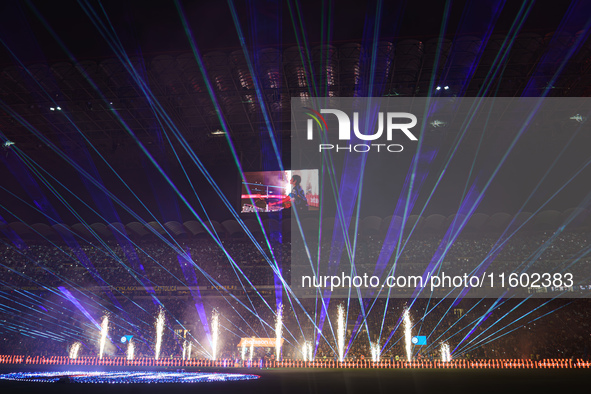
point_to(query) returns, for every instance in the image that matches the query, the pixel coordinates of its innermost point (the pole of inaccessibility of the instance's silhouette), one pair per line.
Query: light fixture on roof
(578, 118)
(218, 132)
(438, 123)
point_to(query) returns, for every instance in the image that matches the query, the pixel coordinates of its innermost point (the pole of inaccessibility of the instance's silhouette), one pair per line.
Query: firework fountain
(130, 350)
(375, 351)
(341, 332)
(104, 332)
(445, 353)
(215, 333)
(243, 352)
(278, 331)
(408, 334)
(187, 350)
(308, 351)
(74, 350)
(159, 332)
(251, 350)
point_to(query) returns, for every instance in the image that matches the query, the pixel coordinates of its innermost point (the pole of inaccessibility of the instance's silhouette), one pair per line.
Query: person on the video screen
(297, 195)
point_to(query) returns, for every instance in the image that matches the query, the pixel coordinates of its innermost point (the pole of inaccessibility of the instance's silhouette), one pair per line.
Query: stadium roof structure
(103, 112)
(372, 225)
(110, 96)
(106, 98)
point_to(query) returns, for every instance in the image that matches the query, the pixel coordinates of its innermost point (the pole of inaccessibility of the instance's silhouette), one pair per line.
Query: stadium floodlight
(217, 133)
(438, 123)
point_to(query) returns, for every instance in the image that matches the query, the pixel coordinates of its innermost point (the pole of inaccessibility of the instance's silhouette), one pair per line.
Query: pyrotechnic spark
(215, 333)
(104, 332)
(251, 349)
(375, 352)
(186, 350)
(408, 334)
(130, 350)
(341, 332)
(278, 331)
(445, 354)
(74, 349)
(308, 351)
(159, 332)
(243, 352)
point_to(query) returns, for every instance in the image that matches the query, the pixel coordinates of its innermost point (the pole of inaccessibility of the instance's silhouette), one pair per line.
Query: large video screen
(272, 191)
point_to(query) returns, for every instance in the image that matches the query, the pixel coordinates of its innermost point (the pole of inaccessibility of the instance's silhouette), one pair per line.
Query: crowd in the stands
(55, 294)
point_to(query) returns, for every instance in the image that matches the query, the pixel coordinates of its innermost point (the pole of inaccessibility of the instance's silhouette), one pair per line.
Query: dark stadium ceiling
(55, 97)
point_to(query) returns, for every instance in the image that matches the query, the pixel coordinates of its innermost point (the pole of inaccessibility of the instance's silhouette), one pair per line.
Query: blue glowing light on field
(126, 377)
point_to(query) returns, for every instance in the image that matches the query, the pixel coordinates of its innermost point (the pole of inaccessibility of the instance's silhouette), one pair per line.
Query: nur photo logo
(388, 123)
